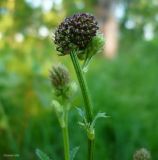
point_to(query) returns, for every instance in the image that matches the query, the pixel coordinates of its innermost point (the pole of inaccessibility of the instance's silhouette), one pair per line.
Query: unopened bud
(142, 154)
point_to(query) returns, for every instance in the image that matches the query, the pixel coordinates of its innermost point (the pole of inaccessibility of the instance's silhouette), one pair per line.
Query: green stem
(83, 86)
(90, 149)
(86, 98)
(66, 138)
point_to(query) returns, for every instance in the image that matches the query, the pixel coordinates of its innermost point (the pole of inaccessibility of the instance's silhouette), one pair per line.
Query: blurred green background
(123, 80)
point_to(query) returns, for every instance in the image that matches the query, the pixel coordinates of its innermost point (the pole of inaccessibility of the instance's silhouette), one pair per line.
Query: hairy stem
(66, 138)
(86, 98)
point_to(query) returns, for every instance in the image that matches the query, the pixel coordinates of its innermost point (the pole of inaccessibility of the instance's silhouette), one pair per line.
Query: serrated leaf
(73, 153)
(41, 155)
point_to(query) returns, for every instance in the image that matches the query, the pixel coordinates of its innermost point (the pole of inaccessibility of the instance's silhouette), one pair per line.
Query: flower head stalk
(78, 36)
(60, 80)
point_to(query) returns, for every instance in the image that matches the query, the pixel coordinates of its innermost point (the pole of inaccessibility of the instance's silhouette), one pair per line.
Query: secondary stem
(87, 101)
(66, 138)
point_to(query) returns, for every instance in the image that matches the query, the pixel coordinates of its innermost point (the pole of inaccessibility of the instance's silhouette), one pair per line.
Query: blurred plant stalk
(66, 138)
(61, 82)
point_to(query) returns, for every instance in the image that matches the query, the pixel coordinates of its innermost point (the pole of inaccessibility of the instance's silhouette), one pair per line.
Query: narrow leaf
(73, 153)
(81, 112)
(41, 155)
(99, 115)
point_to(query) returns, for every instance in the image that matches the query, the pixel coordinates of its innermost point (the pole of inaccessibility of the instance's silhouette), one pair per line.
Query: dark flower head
(60, 79)
(142, 154)
(75, 32)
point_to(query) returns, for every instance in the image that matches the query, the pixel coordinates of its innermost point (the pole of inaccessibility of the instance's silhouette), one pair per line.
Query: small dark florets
(60, 78)
(75, 32)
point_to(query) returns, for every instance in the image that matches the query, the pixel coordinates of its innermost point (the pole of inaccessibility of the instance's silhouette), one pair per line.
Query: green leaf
(73, 153)
(41, 155)
(81, 112)
(95, 46)
(99, 115)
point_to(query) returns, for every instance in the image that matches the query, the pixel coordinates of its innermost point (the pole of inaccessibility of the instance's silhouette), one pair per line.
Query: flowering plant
(77, 36)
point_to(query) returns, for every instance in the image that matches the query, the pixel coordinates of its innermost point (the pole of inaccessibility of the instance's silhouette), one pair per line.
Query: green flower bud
(75, 32)
(60, 79)
(142, 154)
(94, 47)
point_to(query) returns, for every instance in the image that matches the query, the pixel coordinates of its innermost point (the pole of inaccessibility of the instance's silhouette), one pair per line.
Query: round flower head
(60, 79)
(142, 154)
(75, 32)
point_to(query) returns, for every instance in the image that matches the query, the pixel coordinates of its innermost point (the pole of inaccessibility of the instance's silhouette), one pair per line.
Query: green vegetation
(125, 88)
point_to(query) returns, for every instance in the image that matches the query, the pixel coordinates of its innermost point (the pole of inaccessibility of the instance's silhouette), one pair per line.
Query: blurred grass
(130, 97)
(125, 88)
